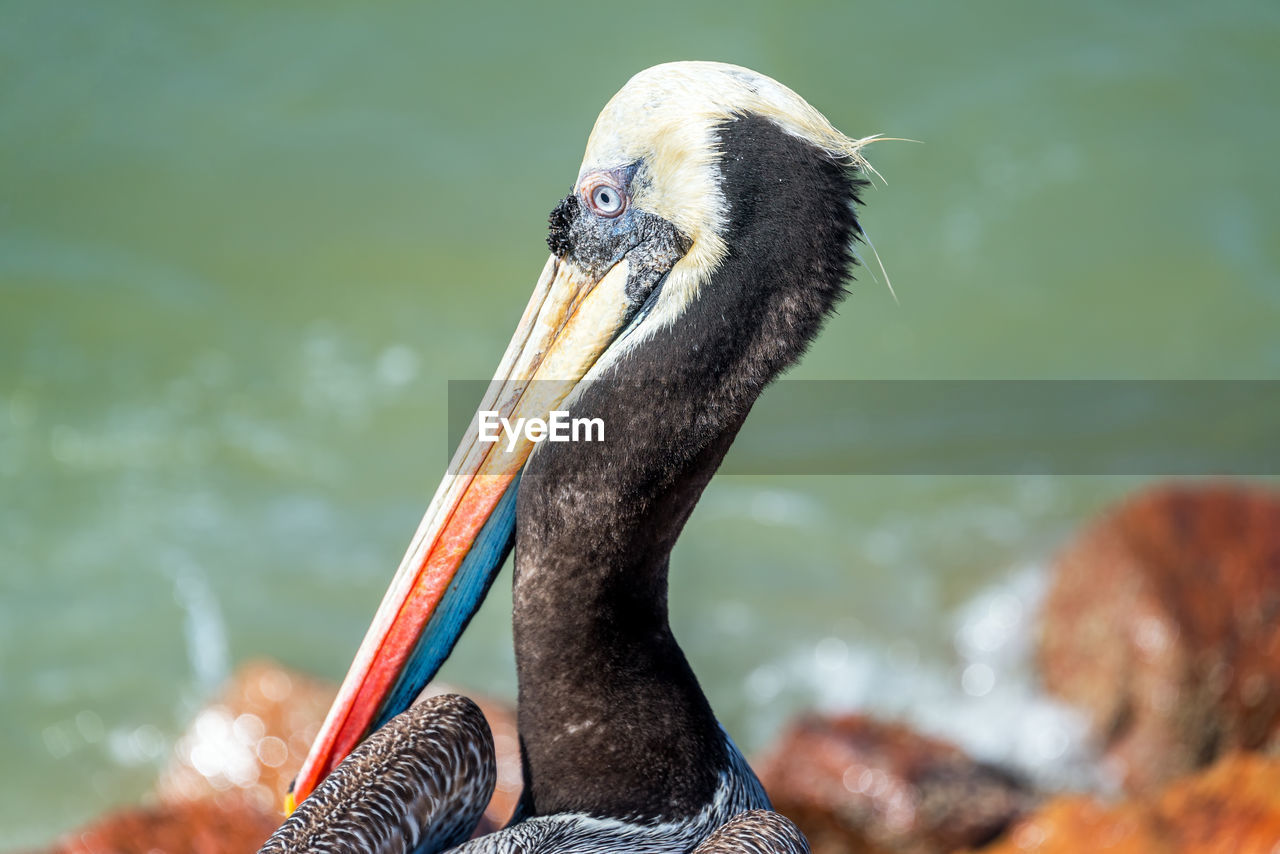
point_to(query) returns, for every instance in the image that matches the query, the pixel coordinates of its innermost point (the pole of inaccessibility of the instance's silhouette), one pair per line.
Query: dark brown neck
(612, 720)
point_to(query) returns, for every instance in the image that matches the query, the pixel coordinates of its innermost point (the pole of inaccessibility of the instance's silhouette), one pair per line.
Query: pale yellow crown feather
(667, 116)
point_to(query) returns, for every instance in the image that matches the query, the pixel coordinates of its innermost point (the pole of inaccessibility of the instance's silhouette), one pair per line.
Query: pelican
(708, 235)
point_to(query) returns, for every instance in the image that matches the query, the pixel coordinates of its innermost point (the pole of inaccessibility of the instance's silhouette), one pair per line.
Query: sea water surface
(245, 246)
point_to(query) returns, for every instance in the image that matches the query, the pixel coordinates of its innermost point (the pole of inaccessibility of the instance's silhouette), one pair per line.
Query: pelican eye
(606, 199)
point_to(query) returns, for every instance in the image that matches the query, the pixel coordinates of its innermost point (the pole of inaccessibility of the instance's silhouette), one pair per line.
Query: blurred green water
(244, 246)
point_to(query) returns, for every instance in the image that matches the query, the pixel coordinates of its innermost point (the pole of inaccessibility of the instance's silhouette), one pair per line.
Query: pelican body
(705, 240)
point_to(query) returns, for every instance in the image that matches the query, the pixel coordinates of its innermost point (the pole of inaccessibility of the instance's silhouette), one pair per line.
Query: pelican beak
(469, 527)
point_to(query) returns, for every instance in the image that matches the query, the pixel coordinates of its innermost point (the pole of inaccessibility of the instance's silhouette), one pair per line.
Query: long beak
(468, 529)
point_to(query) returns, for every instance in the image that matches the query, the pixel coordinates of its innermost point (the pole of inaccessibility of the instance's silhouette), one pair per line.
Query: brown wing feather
(423, 779)
(755, 832)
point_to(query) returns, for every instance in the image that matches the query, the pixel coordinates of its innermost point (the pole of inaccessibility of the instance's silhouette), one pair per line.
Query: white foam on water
(205, 630)
(131, 746)
(987, 699)
(222, 748)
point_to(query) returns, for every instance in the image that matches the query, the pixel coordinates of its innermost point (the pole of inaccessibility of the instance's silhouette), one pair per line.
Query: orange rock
(249, 743)
(1163, 622)
(223, 790)
(196, 827)
(858, 786)
(1233, 808)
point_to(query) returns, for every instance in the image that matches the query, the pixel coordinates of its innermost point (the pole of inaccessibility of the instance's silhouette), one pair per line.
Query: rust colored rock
(1163, 623)
(248, 745)
(1233, 808)
(195, 827)
(858, 786)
